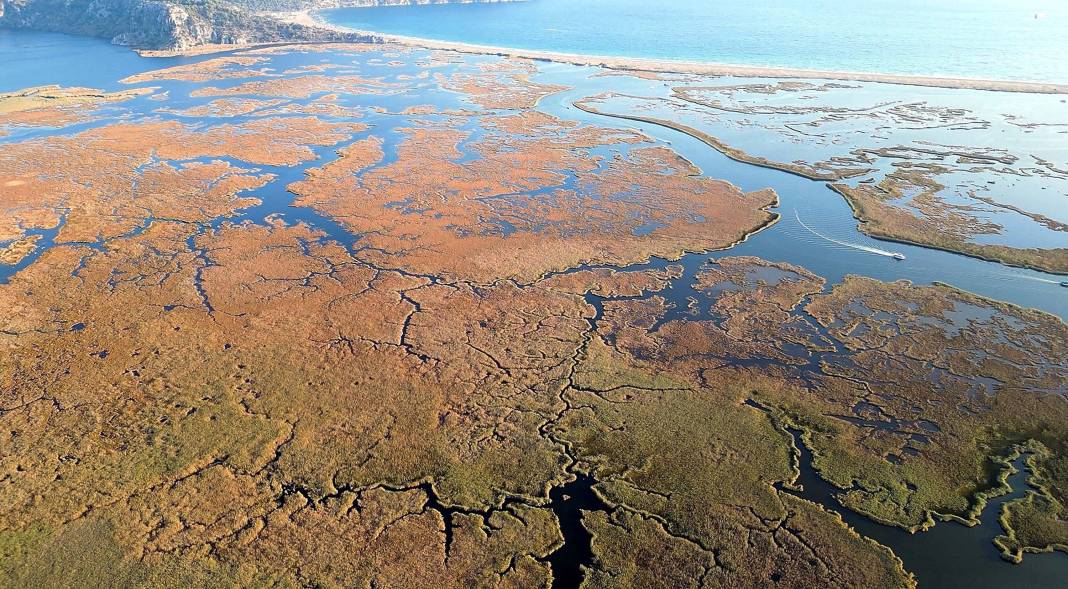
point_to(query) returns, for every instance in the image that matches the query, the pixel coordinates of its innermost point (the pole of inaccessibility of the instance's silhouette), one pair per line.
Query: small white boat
(897, 256)
(1065, 284)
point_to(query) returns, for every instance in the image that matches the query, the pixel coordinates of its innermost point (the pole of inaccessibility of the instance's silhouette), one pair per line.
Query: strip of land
(722, 147)
(630, 64)
(693, 67)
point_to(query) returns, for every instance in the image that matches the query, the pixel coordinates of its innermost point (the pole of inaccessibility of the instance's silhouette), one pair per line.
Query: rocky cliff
(171, 24)
(289, 5)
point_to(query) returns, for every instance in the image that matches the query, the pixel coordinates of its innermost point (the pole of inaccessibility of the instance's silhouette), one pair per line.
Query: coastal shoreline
(668, 66)
(634, 64)
(622, 65)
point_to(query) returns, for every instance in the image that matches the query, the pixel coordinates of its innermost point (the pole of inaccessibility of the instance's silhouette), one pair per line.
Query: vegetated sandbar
(742, 71)
(722, 147)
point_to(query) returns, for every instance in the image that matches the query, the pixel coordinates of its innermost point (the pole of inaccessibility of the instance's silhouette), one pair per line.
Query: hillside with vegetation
(179, 24)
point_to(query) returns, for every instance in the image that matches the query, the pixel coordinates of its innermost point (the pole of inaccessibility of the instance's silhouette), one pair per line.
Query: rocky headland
(179, 25)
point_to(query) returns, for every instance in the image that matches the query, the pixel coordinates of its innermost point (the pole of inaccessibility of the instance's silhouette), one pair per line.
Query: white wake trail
(1035, 278)
(856, 246)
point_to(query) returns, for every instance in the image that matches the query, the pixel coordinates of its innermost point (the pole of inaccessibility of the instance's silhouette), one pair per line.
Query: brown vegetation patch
(299, 87)
(915, 390)
(54, 106)
(931, 221)
(14, 252)
(96, 176)
(606, 282)
(226, 107)
(500, 85)
(509, 212)
(219, 68)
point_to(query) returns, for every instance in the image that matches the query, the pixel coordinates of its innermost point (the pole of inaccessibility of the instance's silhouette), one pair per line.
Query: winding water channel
(824, 210)
(949, 554)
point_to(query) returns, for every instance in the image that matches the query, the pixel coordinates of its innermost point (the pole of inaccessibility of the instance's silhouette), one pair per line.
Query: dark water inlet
(949, 554)
(787, 240)
(568, 501)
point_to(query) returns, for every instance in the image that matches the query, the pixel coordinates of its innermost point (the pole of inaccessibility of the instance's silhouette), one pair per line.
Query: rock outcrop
(290, 5)
(163, 24)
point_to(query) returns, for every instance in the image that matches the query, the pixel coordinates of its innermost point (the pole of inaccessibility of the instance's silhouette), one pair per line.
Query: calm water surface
(999, 39)
(39, 59)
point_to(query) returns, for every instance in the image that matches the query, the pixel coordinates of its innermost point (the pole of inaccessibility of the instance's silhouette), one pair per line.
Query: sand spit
(634, 64)
(693, 67)
(742, 71)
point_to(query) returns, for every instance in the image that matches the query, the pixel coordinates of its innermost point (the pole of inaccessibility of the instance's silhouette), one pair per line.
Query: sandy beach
(695, 68)
(634, 64)
(742, 71)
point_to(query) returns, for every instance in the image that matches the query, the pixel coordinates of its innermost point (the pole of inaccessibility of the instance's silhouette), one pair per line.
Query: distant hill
(178, 24)
(291, 5)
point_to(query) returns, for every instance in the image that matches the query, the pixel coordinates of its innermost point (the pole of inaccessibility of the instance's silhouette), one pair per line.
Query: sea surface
(993, 39)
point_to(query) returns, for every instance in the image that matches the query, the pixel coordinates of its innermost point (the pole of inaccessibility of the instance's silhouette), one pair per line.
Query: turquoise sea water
(998, 39)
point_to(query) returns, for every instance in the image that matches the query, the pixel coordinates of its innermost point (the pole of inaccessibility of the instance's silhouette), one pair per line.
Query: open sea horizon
(1024, 40)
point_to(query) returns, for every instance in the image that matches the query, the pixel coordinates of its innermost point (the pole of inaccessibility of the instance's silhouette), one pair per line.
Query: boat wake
(856, 246)
(1039, 279)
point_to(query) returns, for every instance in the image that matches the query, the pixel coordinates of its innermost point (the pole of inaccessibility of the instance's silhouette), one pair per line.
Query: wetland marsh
(347, 315)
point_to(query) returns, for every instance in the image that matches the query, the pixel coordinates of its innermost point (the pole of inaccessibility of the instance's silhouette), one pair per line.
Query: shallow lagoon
(39, 59)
